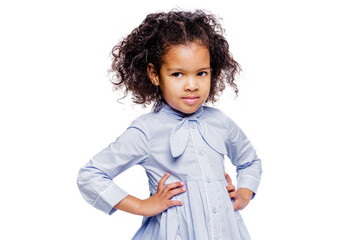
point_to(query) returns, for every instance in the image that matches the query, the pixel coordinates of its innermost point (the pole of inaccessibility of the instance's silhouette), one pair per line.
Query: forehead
(187, 54)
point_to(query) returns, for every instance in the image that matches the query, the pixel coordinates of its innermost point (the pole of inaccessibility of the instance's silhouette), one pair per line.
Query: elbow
(249, 164)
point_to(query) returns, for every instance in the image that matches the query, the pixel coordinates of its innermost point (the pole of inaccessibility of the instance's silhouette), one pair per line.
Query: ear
(153, 74)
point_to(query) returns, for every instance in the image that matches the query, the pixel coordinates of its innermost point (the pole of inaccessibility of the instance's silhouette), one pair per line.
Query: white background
(298, 103)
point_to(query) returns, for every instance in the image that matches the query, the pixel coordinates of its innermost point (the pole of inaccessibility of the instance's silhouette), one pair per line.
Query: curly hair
(151, 40)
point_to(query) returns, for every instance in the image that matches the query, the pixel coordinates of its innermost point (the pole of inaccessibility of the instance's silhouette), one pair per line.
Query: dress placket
(207, 174)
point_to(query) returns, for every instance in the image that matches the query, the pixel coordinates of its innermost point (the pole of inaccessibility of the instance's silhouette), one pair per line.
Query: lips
(191, 100)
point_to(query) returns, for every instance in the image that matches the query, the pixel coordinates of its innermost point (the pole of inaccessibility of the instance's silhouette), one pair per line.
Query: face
(184, 77)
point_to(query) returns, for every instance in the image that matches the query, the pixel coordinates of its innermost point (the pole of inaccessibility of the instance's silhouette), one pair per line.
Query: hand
(160, 201)
(241, 197)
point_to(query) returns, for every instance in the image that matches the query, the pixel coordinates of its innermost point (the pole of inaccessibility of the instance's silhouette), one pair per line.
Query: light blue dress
(192, 149)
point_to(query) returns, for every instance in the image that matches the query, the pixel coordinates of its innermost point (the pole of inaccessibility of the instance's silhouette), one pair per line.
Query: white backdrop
(298, 103)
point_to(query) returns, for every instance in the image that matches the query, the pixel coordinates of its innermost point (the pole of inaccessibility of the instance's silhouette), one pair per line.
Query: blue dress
(192, 149)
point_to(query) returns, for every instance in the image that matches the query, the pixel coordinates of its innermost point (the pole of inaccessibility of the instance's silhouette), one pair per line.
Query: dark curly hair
(151, 40)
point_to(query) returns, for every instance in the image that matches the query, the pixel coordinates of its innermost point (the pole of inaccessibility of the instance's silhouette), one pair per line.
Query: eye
(202, 74)
(177, 74)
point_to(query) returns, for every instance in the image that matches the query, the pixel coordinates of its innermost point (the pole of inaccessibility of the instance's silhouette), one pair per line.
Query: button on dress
(190, 147)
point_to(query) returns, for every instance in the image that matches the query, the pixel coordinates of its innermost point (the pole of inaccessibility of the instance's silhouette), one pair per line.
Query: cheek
(168, 89)
(207, 85)
(208, 88)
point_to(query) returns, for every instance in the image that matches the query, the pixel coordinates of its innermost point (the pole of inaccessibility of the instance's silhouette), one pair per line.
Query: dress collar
(175, 114)
(180, 133)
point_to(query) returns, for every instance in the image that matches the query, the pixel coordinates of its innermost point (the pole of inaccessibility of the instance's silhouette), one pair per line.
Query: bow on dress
(181, 132)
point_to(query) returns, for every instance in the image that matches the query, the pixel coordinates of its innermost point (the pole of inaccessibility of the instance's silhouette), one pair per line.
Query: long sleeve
(95, 179)
(243, 156)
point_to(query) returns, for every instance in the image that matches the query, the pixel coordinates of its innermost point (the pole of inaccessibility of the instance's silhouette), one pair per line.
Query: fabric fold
(180, 135)
(179, 139)
(215, 143)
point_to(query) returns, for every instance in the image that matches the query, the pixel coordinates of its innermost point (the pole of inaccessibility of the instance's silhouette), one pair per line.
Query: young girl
(179, 60)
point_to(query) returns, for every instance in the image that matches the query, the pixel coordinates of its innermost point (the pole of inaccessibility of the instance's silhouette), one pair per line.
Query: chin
(189, 110)
(186, 109)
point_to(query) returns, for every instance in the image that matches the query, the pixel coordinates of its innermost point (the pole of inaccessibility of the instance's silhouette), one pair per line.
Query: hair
(153, 38)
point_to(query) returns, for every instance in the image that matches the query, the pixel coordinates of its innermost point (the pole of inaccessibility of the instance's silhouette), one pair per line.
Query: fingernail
(181, 183)
(184, 189)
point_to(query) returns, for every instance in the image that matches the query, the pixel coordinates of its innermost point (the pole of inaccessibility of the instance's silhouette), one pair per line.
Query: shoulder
(142, 123)
(218, 119)
(212, 114)
(147, 123)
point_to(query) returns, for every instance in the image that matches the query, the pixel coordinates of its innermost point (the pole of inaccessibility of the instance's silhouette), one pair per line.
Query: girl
(179, 60)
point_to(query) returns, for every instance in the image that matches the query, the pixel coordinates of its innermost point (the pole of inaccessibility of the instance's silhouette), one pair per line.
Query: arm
(241, 197)
(248, 166)
(155, 204)
(95, 179)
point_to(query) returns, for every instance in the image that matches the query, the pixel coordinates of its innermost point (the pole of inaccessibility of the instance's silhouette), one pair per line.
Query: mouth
(191, 100)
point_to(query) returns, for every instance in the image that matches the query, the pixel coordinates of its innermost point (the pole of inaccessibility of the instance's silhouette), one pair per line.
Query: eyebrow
(180, 69)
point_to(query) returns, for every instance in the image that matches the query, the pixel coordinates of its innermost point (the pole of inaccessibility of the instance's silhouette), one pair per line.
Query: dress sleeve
(243, 156)
(95, 179)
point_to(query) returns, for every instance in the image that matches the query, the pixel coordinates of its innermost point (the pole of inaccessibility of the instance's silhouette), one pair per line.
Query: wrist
(141, 207)
(130, 204)
(245, 193)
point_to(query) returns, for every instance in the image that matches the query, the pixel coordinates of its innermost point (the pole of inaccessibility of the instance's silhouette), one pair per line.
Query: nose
(191, 84)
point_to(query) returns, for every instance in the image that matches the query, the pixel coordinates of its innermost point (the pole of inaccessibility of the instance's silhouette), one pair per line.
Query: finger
(232, 194)
(228, 179)
(176, 191)
(230, 188)
(241, 206)
(237, 205)
(174, 203)
(170, 186)
(162, 181)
